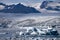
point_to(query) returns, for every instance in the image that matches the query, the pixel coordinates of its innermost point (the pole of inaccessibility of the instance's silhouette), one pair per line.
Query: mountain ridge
(50, 5)
(19, 8)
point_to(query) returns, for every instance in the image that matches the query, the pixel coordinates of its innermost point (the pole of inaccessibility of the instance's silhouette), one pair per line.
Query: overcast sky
(21, 1)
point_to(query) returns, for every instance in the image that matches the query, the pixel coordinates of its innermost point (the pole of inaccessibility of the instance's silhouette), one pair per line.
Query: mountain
(54, 21)
(35, 23)
(23, 23)
(44, 4)
(50, 5)
(32, 22)
(5, 23)
(19, 8)
(29, 22)
(2, 4)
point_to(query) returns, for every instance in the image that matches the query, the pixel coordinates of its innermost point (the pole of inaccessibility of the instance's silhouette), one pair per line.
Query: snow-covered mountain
(52, 4)
(30, 22)
(44, 7)
(37, 5)
(33, 26)
(48, 7)
(18, 8)
(54, 21)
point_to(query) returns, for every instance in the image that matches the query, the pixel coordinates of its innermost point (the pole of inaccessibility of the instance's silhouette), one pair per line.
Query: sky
(22, 1)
